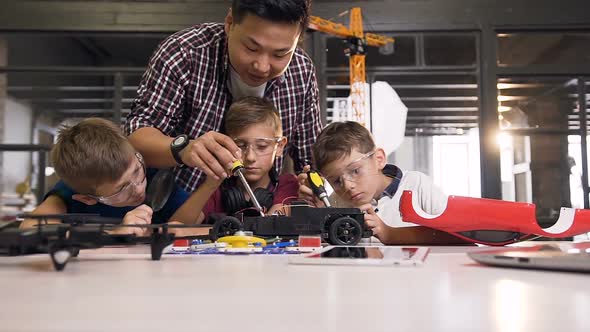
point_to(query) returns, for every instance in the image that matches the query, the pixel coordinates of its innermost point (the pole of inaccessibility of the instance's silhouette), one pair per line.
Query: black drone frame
(80, 231)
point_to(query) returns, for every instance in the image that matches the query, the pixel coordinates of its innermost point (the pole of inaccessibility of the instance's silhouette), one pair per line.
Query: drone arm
(52, 205)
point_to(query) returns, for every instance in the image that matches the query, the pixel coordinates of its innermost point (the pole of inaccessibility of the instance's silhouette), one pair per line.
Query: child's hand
(141, 215)
(375, 224)
(305, 191)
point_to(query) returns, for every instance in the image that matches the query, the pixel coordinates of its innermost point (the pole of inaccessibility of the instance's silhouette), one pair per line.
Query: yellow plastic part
(242, 241)
(316, 179)
(235, 165)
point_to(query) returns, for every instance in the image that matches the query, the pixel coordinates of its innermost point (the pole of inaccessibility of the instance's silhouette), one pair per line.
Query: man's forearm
(153, 146)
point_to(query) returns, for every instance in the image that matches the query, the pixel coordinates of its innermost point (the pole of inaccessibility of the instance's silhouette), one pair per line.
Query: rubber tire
(225, 226)
(345, 231)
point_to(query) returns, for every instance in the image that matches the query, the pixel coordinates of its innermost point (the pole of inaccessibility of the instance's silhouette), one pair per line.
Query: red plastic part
(464, 214)
(181, 243)
(310, 241)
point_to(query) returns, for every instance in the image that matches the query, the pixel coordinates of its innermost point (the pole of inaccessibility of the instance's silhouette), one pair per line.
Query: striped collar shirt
(184, 91)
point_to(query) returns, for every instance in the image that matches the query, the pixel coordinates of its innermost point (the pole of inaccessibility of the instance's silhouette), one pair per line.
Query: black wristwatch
(179, 143)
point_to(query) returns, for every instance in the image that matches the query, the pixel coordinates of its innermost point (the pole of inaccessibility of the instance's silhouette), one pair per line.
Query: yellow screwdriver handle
(237, 164)
(317, 186)
(315, 179)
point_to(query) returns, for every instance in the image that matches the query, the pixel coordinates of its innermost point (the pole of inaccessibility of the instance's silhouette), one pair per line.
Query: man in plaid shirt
(195, 74)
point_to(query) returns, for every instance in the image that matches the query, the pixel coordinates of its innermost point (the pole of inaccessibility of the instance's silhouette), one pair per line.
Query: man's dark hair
(284, 11)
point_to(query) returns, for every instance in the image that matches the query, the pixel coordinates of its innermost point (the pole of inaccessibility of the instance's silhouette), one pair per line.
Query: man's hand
(141, 215)
(213, 153)
(374, 222)
(305, 191)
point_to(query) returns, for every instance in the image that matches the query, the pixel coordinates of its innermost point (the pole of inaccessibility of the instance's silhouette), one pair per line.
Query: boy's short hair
(91, 153)
(338, 140)
(283, 11)
(250, 111)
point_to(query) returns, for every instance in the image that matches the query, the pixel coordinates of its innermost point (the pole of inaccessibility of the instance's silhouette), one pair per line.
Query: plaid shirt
(184, 91)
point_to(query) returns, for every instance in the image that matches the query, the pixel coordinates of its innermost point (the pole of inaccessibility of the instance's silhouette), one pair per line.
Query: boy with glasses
(357, 170)
(101, 173)
(254, 125)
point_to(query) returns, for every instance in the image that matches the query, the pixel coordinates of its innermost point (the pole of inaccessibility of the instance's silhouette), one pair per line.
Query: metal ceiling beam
(435, 109)
(72, 70)
(442, 119)
(541, 71)
(385, 15)
(75, 100)
(442, 125)
(67, 88)
(89, 110)
(450, 114)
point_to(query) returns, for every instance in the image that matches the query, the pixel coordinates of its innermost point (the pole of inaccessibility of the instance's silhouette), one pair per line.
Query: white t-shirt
(430, 198)
(239, 89)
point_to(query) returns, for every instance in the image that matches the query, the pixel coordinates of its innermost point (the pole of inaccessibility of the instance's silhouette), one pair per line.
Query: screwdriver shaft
(240, 175)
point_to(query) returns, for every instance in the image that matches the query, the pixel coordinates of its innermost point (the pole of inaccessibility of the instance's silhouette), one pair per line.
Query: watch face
(179, 140)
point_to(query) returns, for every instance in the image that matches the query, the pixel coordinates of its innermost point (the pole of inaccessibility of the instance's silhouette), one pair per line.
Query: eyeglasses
(261, 145)
(127, 191)
(355, 170)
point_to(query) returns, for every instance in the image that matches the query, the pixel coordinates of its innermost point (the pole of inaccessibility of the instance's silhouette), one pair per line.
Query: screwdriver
(236, 170)
(317, 186)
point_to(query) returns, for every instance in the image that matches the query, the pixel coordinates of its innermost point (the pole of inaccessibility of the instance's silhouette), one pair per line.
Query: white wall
(403, 156)
(17, 130)
(456, 164)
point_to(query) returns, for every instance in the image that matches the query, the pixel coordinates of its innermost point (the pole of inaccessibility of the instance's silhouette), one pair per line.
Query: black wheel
(60, 258)
(225, 226)
(345, 231)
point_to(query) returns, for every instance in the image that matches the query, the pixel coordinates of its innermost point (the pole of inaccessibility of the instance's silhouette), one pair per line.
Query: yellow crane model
(357, 41)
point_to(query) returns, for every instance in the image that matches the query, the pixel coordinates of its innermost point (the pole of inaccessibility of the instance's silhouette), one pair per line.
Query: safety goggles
(354, 171)
(260, 145)
(128, 189)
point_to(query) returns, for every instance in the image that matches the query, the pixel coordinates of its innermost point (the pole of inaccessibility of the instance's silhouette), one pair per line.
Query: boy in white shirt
(345, 153)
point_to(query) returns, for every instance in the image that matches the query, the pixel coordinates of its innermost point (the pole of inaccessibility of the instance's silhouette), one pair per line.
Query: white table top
(114, 291)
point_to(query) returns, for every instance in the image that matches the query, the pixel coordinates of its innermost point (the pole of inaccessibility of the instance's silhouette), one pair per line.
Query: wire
(288, 197)
(250, 208)
(305, 205)
(284, 206)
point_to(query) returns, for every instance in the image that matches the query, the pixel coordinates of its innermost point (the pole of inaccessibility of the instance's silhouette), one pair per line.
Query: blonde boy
(255, 126)
(101, 173)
